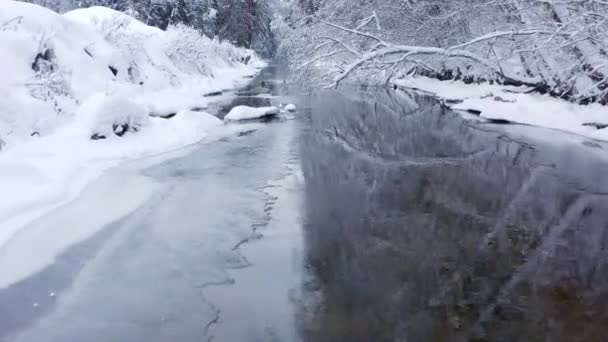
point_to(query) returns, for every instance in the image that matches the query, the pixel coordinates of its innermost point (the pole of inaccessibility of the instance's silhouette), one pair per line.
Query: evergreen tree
(181, 13)
(160, 14)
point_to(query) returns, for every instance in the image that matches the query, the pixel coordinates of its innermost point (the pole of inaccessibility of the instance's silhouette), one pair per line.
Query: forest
(556, 47)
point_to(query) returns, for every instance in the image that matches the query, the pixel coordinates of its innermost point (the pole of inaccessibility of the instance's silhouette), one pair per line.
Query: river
(370, 214)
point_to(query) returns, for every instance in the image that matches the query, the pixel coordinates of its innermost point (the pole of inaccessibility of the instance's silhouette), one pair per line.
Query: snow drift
(83, 91)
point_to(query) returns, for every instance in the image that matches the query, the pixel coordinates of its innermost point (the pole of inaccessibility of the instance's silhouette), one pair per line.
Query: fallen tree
(407, 53)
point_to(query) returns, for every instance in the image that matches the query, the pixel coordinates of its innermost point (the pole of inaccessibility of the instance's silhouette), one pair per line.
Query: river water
(370, 214)
(424, 225)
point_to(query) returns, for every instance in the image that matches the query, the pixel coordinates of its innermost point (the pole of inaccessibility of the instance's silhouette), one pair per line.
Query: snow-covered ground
(84, 91)
(513, 104)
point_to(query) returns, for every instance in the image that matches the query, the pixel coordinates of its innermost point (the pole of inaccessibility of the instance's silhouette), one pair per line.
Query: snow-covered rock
(240, 113)
(110, 116)
(291, 107)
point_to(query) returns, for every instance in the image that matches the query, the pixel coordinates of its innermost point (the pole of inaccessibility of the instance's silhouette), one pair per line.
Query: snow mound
(100, 16)
(291, 107)
(194, 121)
(110, 116)
(240, 113)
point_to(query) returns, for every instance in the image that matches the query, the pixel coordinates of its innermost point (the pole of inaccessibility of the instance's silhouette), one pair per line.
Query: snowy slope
(57, 61)
(97, 73)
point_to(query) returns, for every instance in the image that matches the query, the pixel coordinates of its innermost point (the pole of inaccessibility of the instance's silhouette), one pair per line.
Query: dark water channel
(422, 225)
(261, 92)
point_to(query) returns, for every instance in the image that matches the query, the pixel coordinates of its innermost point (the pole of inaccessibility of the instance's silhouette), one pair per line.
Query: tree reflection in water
(423, 226)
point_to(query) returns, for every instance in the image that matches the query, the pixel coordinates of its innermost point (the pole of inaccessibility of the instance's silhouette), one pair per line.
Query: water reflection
(422, 226)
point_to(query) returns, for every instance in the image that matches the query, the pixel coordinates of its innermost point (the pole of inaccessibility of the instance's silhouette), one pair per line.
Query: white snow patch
(240, 113)
(290, 107)
(55, 221)
(52, 170)
(514, 105)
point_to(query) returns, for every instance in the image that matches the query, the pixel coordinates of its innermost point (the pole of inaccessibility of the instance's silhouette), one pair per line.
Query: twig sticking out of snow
(13, 23)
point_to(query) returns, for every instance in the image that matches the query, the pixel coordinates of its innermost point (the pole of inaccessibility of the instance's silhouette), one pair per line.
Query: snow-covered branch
(384, 49)
(408, 51)
(354, 31)
(11, 23)
(344, 45)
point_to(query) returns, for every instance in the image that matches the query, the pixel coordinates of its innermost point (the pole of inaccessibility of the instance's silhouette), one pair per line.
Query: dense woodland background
(555, 46)
(243, 22)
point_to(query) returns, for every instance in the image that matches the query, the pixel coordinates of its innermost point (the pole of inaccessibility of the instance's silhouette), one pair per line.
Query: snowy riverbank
(97, 74)
(513, 104)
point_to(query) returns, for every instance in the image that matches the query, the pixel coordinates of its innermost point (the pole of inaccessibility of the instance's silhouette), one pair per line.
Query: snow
(164, 71)
(513, 104)
(290, 107)
(240, 113)
(111, 116)
(99, 16)
(97, 71)
(49, 172)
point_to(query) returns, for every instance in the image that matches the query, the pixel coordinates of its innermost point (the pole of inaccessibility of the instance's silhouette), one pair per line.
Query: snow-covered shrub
(109, 116)
(47, 71)
(192, 52)
(156, 58)
(49, 81)
(188, 49)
